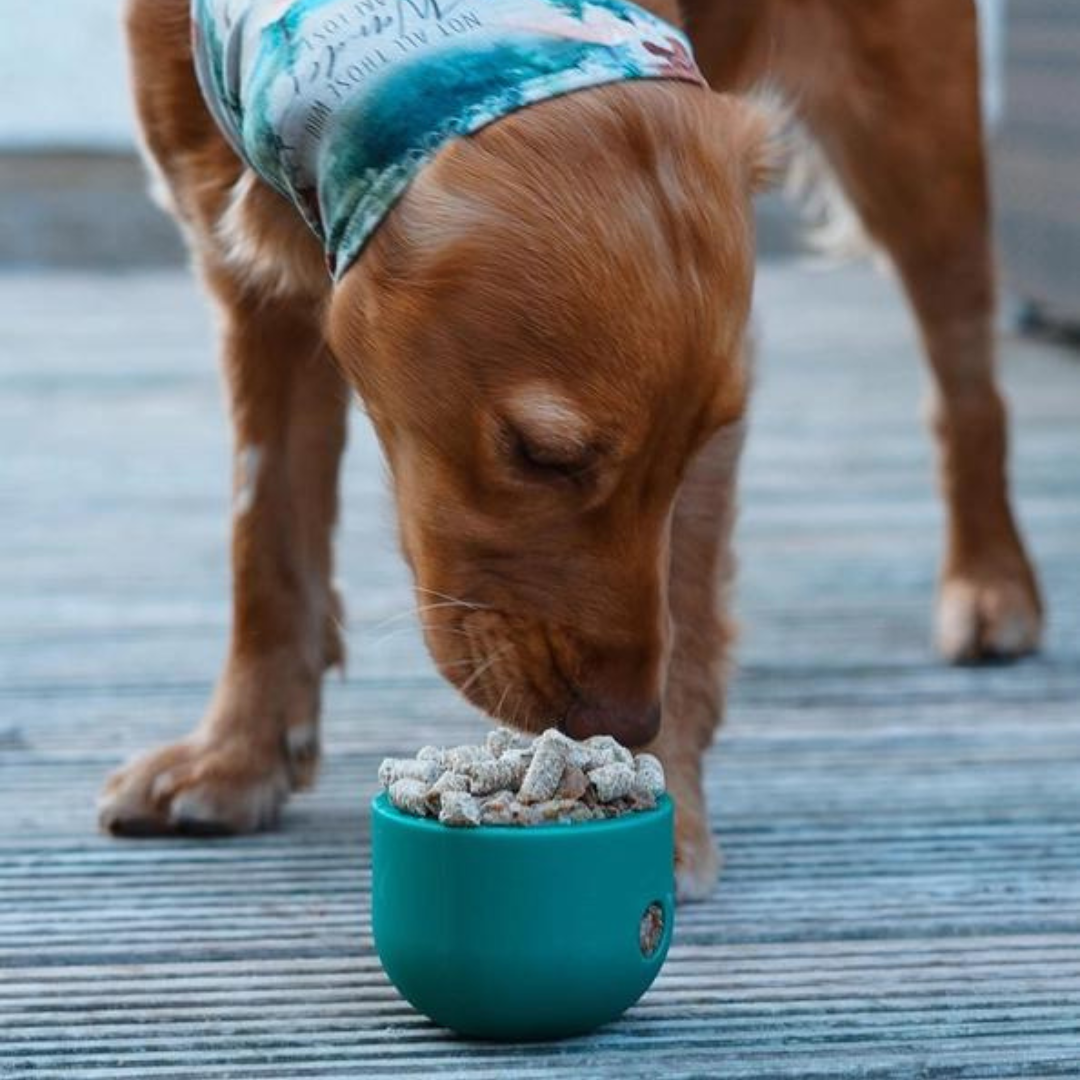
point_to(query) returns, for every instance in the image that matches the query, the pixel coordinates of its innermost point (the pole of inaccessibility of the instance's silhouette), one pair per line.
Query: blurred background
(71, 186)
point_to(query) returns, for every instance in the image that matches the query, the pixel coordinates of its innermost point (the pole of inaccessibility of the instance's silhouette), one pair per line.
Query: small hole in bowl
(651, 930)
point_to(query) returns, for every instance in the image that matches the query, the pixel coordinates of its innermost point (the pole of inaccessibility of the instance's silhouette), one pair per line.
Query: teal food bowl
(517, 933)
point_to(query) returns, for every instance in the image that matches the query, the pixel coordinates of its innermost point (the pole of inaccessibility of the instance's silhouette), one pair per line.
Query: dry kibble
(612, 781)
(488, 776)
(554, 735)
(498, 809)
(500, 740)
(514, 781)
(554, 809)
(407, 768)
(459, 808)
(581, 756)
(524, 813)
(409, 795)
(574, 783)
(593, 757)
(642, 800)
(545, 770)
(610, 749)
(518, 761)
(545, 813)
(449, 781)
(576, 753)
(458, 757)
(648, 775)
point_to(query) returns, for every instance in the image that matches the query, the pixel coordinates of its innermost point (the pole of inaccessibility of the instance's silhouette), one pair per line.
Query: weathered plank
(901, 895)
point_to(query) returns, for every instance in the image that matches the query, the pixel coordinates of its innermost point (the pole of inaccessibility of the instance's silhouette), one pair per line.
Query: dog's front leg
(259, 737)
(702, 568)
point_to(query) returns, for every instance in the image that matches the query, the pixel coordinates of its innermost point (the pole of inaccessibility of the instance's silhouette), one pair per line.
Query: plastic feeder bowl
(517, 933)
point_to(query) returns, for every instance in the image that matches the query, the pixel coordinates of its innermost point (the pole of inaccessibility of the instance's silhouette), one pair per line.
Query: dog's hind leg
(896, 108)
(890, 90)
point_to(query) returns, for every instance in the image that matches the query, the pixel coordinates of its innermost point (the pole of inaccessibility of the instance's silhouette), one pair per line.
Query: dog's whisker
(518, 701)
(470, 604)
(467, 661)
(498, 708)
(432, 629)
(480, 670)
(398, 616)
(427, 628)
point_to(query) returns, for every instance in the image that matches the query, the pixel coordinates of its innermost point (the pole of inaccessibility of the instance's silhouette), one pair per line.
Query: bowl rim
(381, 805)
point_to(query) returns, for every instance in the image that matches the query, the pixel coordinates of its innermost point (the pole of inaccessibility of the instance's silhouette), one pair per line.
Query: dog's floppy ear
(755, 127)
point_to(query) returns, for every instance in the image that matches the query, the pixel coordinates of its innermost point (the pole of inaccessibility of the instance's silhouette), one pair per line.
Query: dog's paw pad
(302, 751)
(193, 790)
(697, 869)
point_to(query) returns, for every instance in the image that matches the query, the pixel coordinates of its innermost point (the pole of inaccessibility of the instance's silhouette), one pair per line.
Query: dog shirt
(339, 103)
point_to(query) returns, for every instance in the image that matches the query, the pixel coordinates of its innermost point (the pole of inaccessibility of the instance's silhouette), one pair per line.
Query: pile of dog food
(515, 780)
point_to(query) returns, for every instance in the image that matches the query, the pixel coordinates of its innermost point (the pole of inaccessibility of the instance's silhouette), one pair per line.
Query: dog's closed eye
(548, 460)
(543, 437)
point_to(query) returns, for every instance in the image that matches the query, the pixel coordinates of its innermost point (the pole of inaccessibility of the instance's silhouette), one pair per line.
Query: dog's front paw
(195, 788)
(697, 859)
(988, 617)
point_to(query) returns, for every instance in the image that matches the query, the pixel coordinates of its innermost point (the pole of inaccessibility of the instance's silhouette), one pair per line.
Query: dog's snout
(633, 726)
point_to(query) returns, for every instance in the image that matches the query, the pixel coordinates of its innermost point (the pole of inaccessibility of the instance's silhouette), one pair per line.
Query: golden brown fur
(548, 334)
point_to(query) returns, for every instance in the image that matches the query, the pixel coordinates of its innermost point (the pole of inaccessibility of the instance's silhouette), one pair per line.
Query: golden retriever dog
(548, 332)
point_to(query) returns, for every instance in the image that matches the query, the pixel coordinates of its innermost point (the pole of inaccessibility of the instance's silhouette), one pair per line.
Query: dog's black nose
(633, 726)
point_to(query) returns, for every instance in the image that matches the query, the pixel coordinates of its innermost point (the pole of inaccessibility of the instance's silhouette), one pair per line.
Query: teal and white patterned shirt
(339, 103)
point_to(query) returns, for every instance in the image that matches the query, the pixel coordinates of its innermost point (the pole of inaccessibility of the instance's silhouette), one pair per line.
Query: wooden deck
(902, 887)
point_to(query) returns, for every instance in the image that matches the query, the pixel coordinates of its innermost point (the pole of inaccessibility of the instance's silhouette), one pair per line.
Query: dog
(548, 332)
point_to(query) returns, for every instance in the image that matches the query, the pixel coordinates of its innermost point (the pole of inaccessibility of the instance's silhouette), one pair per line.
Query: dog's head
(544, 332)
